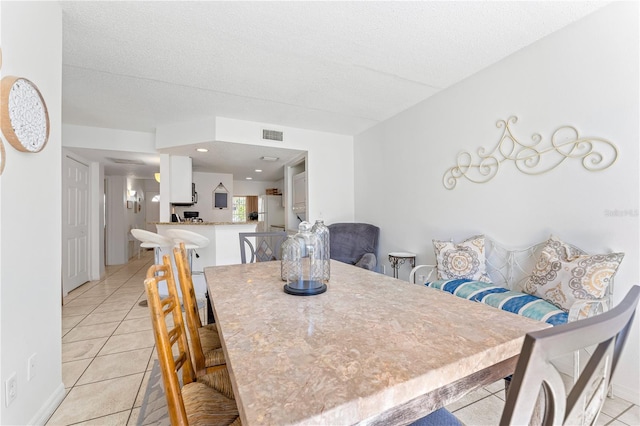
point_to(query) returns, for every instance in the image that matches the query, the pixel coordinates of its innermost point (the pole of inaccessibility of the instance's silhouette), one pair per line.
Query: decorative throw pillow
(463, 260)
(561, 275)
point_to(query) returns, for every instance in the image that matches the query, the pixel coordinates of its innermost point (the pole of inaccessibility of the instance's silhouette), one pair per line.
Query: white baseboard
(49, 407)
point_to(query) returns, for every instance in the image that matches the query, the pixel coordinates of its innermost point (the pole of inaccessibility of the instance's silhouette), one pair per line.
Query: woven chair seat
(205, 406)
(214, 358)
(219, 380)
(211, 346)
(209, 338)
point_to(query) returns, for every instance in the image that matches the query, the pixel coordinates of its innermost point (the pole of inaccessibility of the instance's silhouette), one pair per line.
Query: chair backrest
(167, 337)
(267, 246)
(535, 372)
(190, 306)
(350, 241)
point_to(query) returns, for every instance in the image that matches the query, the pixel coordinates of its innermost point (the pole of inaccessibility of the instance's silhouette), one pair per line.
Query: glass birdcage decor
(302, 263)
(322, 232)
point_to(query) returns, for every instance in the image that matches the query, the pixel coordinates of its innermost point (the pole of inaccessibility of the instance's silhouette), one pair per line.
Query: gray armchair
(355, 244)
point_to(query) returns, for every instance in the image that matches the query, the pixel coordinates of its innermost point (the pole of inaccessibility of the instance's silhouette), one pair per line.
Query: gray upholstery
(355, 244)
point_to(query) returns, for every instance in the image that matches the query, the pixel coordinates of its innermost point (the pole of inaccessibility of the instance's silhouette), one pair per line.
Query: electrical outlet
(11, 389)
(422, 279)
(31, 367)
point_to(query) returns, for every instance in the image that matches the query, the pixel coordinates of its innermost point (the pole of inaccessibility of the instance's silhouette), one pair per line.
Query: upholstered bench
(508, 300)
(552, 281)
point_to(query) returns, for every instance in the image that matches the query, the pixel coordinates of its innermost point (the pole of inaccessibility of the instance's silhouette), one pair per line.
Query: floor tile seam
(98, 351)
(474, 402)
(106, 379)
(617, 418)
(81, 374)
(100, 417)
(123, 352)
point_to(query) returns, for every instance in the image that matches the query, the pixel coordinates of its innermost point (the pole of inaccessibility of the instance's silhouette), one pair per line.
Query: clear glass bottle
(290, 265)
(322, 232)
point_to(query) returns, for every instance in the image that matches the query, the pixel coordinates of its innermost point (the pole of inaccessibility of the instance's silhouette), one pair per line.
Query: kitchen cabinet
(299, 189)
(181, 180)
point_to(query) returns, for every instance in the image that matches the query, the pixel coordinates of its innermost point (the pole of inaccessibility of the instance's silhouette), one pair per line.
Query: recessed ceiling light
(249, 178)
(202, 150)
(267, 158)
(258, 170)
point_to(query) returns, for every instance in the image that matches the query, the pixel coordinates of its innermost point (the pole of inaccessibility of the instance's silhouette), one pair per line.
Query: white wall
(329, 166)
(30, 222)
(255, 187)
(205, 184)
(117, 221)
(585, 75)
(110, 139)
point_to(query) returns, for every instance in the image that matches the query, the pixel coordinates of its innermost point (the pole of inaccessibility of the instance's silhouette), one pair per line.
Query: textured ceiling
(338, 67)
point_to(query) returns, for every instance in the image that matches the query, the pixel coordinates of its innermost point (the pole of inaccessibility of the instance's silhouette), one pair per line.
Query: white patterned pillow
(560, 276)
(463, 260)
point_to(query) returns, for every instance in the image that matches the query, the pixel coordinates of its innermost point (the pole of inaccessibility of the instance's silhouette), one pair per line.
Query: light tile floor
(108, 352)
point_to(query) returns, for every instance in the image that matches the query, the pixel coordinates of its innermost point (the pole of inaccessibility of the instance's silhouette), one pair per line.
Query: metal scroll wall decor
(532, 157)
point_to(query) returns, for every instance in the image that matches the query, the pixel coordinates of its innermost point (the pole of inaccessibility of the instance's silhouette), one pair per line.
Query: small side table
(398, 258)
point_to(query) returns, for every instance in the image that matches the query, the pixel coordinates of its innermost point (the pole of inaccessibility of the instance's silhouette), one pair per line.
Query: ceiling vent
(272, 135)
(127, 161)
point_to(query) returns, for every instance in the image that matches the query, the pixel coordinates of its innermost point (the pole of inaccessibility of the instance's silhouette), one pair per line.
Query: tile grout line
(75, 385)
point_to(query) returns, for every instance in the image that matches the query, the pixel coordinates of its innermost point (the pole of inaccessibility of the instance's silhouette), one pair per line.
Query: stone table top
(368, 344)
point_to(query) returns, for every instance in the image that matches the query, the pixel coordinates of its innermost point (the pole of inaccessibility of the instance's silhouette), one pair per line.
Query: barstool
(152, 240)
(191, 240)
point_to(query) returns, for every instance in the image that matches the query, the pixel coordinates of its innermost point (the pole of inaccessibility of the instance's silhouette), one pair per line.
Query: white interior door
(75, 227)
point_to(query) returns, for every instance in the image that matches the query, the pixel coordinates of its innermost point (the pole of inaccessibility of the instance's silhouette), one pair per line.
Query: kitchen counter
(204, 223)
(224, 242)
(223, 247)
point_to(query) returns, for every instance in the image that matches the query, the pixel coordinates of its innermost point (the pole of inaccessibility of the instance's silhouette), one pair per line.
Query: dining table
(372, 349)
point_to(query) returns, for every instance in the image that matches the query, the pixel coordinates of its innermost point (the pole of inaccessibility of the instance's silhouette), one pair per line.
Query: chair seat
(211, 346)
(209, 337)
(219, 380)
(192, 240)
(154, 240)
(440, 417)
(205, 406)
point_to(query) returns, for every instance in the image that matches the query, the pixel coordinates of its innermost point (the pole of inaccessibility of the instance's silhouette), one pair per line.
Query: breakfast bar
(371, 349)
(224, 244)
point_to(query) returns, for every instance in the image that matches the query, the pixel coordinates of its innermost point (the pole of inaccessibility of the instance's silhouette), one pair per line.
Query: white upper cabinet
(181, 179)
(299, 189)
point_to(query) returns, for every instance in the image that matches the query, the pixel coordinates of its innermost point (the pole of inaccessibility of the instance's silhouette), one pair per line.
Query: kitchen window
(239, 209)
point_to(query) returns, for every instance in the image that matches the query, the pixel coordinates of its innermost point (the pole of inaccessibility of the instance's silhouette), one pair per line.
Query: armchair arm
(368, 261)
(585, 308)
(428, 270)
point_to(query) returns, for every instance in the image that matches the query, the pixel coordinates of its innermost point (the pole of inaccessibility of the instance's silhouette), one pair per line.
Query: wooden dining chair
(194, 403)
(267, 246)
(205, 341)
